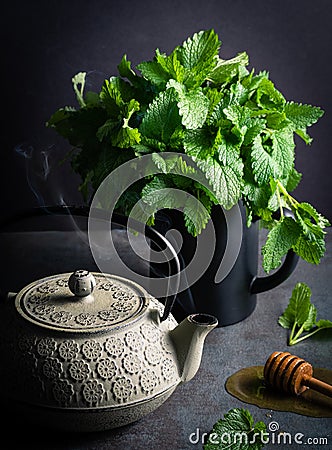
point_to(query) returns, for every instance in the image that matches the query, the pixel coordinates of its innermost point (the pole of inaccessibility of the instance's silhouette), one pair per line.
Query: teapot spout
(188, 338)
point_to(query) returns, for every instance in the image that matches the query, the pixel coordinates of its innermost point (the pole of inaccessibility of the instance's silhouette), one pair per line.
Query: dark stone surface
(201, 402)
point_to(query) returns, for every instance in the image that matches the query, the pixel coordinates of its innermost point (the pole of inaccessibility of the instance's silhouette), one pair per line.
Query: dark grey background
(44, 43)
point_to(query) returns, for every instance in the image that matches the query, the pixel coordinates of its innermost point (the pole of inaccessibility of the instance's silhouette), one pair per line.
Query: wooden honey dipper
(292, 374)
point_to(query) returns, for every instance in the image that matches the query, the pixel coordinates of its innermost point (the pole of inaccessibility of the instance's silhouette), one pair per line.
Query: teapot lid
(82, 301)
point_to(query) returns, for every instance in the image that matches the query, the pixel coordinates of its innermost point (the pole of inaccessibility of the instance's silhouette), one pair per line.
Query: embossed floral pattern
(47, 289)
(148, 381)
(63, 391)
(46, 347)
(79, 370)
(68, 350)
(166, 343)
(117, 302)
(131, 363)
(25, 343)
(114, 346)
(91, 349)
(134, 340)
(123, 305)
(168, 369)
(150, 333)
(52, 368)
(123, 388)
(153, 354)
(106, 286)
(44, 310)
(93, 392)
(115, 366)
(109, 315)
(37, 299)
(61, 316)
(106, 368)
(85, 319)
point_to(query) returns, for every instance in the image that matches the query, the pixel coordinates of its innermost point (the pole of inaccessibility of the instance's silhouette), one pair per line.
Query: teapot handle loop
(161, 242)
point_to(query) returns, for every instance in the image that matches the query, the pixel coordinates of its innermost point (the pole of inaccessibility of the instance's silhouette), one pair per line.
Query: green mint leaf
(224, 180)
(196, 216)
(255, 127)
(149, 145)
(104, 163)
(217, 116)
(157, 193)
(264, 165)
(162, 192)
(79, 127)
(171, 65)
(283, 150)
(198, 54)
(294, 177)
(300, 315)
(276, 120)
(214, 95)
(239, 93)
(198, 143)
(310, 250)
(298, 308)
(226, 70)
(308, 211)
(239, 116)
(126, 71)
(324, 324)
(257, 195)
(252, 82)
(311, 245)
(302, 116)
(126, 137)
(193, 105)
(120, 133)
(281, 238)
(267, 96)
(154, 72)
(239, 429)
(172, 164)
(310, 321)
(162, 69)
(228, 152)
(162, 117)
(111, 98)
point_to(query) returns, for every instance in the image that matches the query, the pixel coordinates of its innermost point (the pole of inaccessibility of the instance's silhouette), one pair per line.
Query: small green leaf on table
(300, 316)
(236, 431)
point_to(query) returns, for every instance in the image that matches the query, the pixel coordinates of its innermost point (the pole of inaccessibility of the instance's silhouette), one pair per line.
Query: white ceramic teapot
(87, 351)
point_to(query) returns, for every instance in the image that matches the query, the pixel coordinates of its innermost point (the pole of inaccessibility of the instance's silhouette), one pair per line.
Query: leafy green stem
(300, 316)
(294, 337)
(280, 188)
(298, 339)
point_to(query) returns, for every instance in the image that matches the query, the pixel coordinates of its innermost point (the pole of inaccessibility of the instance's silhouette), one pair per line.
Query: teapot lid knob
(81, 283)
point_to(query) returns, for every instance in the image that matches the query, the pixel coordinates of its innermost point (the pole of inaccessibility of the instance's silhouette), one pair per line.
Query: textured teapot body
(84, 360)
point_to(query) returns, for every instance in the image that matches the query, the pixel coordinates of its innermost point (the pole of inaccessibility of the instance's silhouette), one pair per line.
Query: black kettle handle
(151, 233)
(161, 242)
(262, 284)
